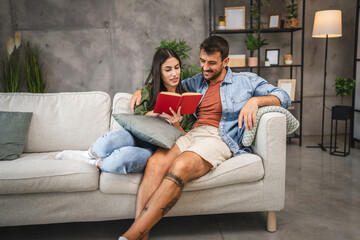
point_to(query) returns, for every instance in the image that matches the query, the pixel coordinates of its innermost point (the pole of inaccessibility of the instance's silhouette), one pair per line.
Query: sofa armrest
(270, 145)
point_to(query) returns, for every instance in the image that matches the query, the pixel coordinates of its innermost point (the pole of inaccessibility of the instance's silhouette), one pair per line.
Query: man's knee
(189, 166)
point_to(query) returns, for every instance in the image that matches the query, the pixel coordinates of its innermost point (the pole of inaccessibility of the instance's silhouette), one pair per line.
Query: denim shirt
(235, 91)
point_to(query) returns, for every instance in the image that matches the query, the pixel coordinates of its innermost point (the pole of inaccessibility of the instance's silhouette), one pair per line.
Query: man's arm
(248, 112)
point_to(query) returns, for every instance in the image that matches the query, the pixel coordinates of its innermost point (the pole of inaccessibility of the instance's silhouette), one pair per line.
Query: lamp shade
(328, 23)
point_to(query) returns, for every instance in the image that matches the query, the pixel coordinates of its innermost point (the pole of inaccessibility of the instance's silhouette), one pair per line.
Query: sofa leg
(271, 221)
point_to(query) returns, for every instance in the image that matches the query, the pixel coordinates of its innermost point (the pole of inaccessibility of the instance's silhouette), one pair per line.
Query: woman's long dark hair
(154, 77)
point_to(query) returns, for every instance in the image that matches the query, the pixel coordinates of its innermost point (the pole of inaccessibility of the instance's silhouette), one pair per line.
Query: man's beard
(213, 77)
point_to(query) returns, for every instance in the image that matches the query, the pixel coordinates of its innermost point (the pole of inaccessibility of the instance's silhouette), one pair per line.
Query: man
(228, 107)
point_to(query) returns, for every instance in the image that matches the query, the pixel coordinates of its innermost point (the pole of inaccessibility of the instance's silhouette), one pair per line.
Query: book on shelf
(188, 102)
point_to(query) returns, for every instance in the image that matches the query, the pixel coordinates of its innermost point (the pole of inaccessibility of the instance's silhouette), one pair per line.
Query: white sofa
(37, 189)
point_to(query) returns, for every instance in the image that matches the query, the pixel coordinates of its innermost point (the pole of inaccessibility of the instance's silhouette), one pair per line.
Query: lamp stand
(321, 145)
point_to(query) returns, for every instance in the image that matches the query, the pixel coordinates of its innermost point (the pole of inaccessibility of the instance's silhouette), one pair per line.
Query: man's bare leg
(156, 168)
(185, 167)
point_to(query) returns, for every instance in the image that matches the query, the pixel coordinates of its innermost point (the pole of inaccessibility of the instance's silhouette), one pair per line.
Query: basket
(292, 23)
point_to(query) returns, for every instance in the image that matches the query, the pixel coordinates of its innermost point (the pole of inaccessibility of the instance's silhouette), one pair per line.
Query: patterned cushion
(291, 123)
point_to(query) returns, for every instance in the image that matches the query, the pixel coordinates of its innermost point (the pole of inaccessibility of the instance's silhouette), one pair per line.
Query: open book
(188, 102)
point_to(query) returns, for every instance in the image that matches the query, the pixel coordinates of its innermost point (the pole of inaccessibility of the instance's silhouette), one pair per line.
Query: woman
(118, 151)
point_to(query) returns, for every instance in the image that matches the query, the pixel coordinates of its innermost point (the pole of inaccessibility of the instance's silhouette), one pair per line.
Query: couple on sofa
(228, 107)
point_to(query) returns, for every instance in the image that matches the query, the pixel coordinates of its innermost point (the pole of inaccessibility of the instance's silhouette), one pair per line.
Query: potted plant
(267, 62)
(10, 68)
(221, 23)
(252, 44)
(36, 82)
(291, 19)
(343, 87)
(255, 14)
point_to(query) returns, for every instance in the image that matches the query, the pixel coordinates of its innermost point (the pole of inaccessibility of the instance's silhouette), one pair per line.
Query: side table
(342, 113)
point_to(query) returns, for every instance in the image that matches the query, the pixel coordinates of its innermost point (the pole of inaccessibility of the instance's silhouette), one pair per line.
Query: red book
(188, 102)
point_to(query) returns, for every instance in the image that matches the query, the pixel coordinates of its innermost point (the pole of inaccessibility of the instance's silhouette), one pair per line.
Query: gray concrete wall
(108, 45)
(101, 45)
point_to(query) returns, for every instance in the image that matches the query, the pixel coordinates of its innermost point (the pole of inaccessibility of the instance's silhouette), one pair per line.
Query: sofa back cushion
(61, 120)
(121, 104)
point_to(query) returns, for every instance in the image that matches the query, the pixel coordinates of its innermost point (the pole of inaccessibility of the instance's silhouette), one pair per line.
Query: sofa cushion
(61, 120)
(121, 104)
(240, 169)
(154, 130)
(14, 127)
(40, 173)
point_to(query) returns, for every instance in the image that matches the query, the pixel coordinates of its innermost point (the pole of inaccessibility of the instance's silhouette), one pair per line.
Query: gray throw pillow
(14, 127)
(154, 130)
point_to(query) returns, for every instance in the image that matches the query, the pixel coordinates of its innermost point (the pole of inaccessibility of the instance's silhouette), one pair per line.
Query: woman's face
(170, 73)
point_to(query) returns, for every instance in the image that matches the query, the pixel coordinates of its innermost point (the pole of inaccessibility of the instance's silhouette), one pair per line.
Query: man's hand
(248, 113)
(135, 99)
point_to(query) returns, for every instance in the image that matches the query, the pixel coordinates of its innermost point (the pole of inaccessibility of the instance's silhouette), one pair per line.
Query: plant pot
(221, 25)
(267, 64)
(292, 23)
(341, 112)
(252, 61)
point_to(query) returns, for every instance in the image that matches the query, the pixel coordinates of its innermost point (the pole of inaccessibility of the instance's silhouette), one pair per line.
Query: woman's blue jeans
(121, 152)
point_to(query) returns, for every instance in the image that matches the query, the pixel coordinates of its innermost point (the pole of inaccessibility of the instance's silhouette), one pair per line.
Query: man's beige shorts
(207, 143)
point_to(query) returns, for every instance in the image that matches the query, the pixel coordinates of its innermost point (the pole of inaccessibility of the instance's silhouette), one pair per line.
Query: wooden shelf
(272, 66)
(264, 30)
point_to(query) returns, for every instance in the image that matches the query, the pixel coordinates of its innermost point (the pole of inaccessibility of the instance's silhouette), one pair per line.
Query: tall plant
(181, 49)
(254, 42)
(11, 65)
(34, 71)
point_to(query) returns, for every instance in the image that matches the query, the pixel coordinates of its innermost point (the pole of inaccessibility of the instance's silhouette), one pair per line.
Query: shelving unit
(355, 126)
(299, 99)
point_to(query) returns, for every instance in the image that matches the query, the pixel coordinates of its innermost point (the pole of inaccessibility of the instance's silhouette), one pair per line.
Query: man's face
(211, 65)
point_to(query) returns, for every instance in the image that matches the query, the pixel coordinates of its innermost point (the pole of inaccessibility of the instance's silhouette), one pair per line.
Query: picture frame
(289, 86)
(235, 18)
(273, 55)
(274, 21)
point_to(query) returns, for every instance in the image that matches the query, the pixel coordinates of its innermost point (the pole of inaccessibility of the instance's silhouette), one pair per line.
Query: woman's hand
(151, 113)
(135, 99)
(174, 119)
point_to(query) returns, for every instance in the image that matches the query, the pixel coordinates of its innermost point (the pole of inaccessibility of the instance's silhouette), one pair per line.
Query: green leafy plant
(36, 82)
(181, 49)
(255, 14)
(344, 86)
(11, 66)
(252, 43)
(292, 10)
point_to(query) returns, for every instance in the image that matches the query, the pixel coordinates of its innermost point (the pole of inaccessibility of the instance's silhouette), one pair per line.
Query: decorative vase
(288, 59)
(252, 61)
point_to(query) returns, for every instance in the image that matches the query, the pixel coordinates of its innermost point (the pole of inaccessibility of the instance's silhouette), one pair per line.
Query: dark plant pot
(341, 112)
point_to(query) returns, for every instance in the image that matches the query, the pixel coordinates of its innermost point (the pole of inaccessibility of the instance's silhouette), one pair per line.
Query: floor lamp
(327, 24)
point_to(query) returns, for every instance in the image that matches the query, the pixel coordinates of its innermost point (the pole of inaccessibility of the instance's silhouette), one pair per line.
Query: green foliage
(10, 71)
(181, 49)
(189, 71)
(36, 82)
(344, 86)
(292, 10)
(255, 14)
(252, 43)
